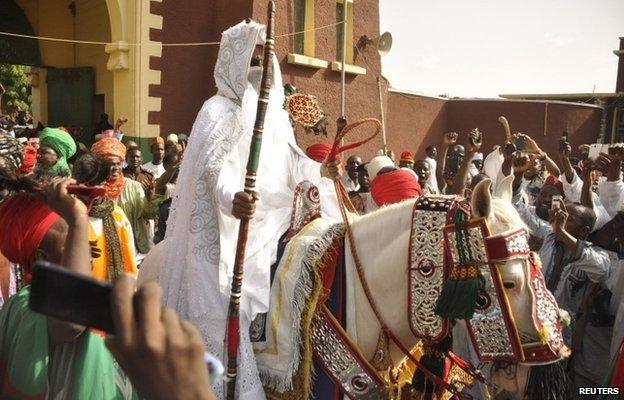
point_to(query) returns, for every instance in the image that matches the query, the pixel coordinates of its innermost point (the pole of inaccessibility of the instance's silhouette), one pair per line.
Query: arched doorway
(71, 84)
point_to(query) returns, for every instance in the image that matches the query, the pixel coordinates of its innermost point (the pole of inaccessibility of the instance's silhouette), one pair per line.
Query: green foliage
(17, 87)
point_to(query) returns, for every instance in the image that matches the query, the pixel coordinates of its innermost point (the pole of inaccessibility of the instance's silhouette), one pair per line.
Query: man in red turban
(319, 152)
(394, 186)
(127, 193)
(113, 151)
(25, 221)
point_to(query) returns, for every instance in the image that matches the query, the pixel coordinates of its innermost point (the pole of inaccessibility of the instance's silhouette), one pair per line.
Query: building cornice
(559, 96)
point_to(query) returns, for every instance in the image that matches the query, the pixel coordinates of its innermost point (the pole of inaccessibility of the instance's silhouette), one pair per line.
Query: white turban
(377, 164)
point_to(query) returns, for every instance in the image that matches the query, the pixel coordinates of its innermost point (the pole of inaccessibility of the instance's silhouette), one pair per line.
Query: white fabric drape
(202, 234)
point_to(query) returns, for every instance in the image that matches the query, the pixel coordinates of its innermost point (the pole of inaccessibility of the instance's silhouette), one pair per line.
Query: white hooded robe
(201, 231)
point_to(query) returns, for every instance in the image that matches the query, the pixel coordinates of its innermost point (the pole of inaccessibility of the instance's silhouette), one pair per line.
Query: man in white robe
(202, 228)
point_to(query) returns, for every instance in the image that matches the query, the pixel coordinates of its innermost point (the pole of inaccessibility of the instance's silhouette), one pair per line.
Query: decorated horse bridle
(492, 327)
(450, 254)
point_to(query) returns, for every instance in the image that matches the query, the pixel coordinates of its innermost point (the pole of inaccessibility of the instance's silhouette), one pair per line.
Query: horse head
(502, 217)
(535, 315)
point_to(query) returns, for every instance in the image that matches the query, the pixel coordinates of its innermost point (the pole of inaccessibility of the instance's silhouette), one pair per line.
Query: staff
(383, 119)
(233, 324)
(343, 60)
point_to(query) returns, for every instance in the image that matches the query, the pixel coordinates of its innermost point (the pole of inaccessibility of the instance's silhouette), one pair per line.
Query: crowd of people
(102, 237)
(98, 212)
(573, 209)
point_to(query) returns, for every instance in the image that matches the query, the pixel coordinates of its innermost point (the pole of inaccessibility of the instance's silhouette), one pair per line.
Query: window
(349, 27)
(304, 42)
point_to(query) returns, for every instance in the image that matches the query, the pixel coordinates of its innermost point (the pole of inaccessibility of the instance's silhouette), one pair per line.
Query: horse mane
(503, 217)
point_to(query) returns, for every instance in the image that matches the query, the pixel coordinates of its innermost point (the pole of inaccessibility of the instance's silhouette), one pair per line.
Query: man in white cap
(208, 202)
(377, 164)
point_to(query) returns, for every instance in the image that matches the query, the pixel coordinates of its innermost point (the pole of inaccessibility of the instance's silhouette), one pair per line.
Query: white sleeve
(307, 169)
(594, 261)
(602, 216)
(228, 183)
(611, 196)
(537, 227)
(572, 190)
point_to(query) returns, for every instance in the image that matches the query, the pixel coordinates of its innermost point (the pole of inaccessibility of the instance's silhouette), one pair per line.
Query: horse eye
(509, 285)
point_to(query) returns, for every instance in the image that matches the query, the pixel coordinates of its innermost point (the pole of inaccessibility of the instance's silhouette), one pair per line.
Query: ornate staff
(233, 324)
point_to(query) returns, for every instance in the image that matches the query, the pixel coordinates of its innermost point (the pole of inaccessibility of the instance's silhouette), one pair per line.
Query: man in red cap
(44, 357)
(407, 160)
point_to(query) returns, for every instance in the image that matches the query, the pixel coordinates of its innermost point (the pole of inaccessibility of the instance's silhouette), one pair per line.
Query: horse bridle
(491, 253)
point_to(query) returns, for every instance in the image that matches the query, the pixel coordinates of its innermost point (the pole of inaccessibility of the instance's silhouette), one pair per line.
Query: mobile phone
(594, 151)
(88, 191)
(519, 143)
(68, 296)
(510, 148)
(555, 202)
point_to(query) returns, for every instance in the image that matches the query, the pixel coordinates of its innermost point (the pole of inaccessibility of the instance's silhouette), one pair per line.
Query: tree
(14, 78)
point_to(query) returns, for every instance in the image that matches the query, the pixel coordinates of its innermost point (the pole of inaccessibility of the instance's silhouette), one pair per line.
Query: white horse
(382, 241)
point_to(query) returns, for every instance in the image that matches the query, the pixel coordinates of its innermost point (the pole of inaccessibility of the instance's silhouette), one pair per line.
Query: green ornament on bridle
(459, 295)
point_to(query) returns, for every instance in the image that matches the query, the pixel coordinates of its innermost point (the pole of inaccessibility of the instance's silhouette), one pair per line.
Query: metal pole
(383, 119)
(343, 58)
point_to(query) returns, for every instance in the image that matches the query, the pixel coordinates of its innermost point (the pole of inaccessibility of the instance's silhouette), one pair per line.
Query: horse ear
(481, 199)
(504, 189)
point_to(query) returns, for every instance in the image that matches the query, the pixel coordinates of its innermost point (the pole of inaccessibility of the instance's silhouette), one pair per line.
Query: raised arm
(611, 192)
(449, 140)
(473, 144)
(530, 146)
(564, 156)
(76, 253)
(587, 198)
(160, 186)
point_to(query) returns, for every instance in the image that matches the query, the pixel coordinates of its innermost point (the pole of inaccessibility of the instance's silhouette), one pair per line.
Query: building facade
(141, 73)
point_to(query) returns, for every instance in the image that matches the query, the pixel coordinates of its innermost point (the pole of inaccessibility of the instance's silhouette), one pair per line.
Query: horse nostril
(509, 285)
